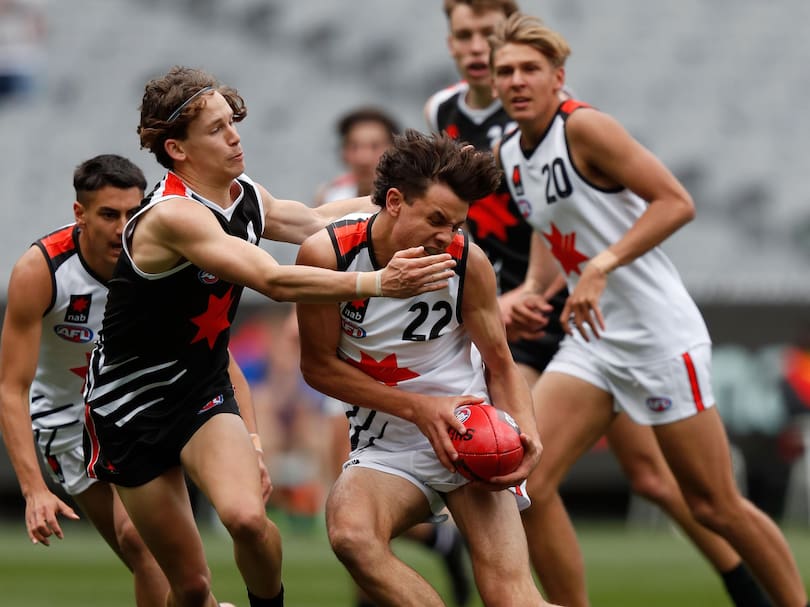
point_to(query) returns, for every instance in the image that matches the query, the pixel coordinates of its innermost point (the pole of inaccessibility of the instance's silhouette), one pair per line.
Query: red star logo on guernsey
(81, 304)
(386, 370)
(452, 131)
(214, 320)
(564, 248)
(491, 216)
(82, 371)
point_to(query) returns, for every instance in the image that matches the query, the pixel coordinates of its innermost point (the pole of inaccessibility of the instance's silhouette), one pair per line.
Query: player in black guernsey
(159, 399)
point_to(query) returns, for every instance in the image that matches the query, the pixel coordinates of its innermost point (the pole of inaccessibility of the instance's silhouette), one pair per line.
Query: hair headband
(182, 106)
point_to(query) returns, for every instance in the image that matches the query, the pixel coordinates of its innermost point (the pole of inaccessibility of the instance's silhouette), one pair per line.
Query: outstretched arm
(293, 221)
(29, 295)
(169, 233)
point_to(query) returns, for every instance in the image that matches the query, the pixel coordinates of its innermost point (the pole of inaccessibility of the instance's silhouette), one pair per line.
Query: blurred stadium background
(711, 86)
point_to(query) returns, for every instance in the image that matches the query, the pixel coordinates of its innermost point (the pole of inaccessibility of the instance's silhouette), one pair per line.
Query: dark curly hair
(181, 88)
(415, 161)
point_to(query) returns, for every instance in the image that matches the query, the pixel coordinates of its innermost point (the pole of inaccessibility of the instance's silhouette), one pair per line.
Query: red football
(491, 446)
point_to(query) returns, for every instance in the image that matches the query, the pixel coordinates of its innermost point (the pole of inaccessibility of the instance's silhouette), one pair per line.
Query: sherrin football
(491, 445)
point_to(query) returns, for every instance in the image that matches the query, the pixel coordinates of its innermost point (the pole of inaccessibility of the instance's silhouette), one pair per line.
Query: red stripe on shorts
(94, 446)
(693, 381)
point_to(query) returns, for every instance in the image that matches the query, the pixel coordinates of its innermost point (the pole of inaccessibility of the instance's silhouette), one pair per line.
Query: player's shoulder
(455, 89)
(442, 96)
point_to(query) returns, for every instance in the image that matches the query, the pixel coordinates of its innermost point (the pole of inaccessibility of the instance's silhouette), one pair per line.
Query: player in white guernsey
(404, 366)
(468, 112)
(600, 204)
(365, 133)
(56, 298)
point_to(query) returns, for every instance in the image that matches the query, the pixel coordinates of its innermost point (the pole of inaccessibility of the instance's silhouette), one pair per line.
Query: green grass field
(626, 567)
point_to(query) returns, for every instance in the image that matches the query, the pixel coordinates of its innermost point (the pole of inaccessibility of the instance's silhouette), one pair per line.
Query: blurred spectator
(22, 37)
(365, 133)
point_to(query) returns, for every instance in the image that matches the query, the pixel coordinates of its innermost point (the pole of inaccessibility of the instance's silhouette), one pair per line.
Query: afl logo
(206, 277)
(525, 207)
(462, 414)
(353, 330)
(72, 333)
(658, 403)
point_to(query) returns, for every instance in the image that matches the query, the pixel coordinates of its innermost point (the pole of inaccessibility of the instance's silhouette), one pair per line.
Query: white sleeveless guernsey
(649, 316)
(417, 344)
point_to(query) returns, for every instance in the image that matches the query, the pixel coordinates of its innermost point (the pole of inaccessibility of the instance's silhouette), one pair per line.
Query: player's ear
(394, 201)
(79, 213)
(174, 148)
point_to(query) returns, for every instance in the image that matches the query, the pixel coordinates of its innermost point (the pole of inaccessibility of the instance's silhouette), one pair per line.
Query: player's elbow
(312, 371)
(686, 208)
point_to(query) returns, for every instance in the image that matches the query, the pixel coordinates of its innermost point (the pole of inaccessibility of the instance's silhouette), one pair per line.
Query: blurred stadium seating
(709, 86)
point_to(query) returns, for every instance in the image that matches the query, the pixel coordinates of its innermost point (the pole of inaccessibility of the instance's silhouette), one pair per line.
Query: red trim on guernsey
(569, 105)
(350, 236)
(456, 248)
(59, 242)
(174, 186)
(94, 448)
(693, 381)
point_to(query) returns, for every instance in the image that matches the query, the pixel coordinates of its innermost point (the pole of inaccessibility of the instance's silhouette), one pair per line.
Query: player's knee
(245, 524)
(718, 513)
(132, 547)
(540, 490)
(652, 486)
(192, 590)
(351, 544)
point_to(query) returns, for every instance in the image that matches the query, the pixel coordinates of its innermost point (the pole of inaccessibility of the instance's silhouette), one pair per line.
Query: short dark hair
(507, 6)
(106, 170)
(172, 101)
(366, 114)
(415, 161)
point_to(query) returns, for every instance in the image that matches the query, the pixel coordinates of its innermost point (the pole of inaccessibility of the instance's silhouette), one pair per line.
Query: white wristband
(368, 291)
(378, 283)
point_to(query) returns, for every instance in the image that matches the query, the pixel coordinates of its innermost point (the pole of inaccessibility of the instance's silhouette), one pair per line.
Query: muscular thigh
(161, 511)
(221, 461)
(696, 450)
(571, 414)
(491, 524)
(384, 504)
(634, 445)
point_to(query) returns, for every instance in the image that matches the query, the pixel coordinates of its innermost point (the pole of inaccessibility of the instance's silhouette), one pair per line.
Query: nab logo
(658, 404)
(206, 277)
(355, 310)
(72, 333)
(79, 308)
(353, 330)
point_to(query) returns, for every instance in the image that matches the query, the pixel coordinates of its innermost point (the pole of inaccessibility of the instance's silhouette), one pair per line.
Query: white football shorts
(652, 394)
(423, 469)
(67, 469)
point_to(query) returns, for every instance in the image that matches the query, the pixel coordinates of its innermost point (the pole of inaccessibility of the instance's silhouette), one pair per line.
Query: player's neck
(220, 192)
(479, 97)
(101, 266)
(381, 243)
